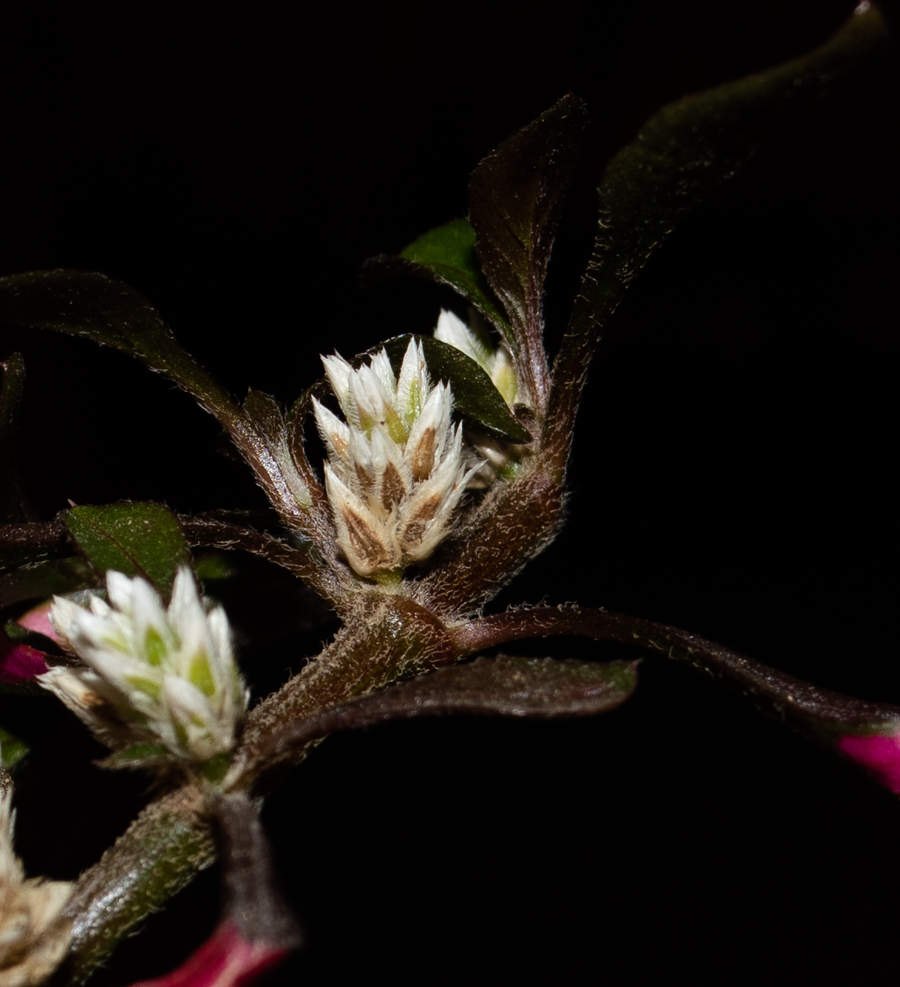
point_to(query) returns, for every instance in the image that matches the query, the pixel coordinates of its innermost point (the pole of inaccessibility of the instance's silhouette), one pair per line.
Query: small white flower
(496, 363)
(395, 470)
(28, 908)
(495, 456)
(152, 676)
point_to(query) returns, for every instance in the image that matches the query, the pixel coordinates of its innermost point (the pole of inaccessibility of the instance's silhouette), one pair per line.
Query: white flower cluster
(154, 676)
(28, 908)
(494, 455)
(496, 363)
(395, 469)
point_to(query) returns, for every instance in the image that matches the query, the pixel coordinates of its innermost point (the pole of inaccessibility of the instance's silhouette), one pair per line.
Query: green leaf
(679, 156)
(515, 199)
(13, 750)
(12, 507)
(474, 394)
(138, 539)
(446, 254)
(137, 756)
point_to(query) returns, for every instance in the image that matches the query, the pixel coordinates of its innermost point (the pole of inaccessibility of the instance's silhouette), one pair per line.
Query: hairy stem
(157, 856)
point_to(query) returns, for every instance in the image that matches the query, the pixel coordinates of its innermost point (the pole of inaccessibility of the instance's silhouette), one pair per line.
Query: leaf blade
(683, 152)
(474, 394)
(515, 200)
(445, 254)
(138, 539)
(540, 688)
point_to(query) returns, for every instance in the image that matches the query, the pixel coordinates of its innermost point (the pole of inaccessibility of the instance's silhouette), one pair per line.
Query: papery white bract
(395, 470)
(29, 952)
(157, 676)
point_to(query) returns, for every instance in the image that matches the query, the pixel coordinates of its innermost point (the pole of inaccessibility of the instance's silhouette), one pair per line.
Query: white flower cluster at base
(29, 950)
(395, 469)
(155, 676)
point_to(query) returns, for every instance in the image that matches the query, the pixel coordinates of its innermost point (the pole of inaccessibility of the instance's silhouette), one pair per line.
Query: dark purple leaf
(213, 531)
(515, 198)
(866, 732)
(113, 314)
(257, 929)
(680, 155)
(109, 312)
(522, 687)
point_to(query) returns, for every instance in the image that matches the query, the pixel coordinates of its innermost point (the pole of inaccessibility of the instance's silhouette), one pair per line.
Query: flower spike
(499, 459)
(153, 676)
(395, 469)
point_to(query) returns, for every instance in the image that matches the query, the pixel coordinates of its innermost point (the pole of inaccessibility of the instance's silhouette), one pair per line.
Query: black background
(731, 474)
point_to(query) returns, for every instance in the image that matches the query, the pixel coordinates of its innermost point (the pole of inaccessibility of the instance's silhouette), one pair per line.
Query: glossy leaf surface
(679, 156)
(474, 394)
(445, 254)
(137, 539)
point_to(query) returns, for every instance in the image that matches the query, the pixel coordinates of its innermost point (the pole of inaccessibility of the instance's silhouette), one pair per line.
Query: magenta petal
(880, 756)
(226, 959)
(18, 662)
(38, 620)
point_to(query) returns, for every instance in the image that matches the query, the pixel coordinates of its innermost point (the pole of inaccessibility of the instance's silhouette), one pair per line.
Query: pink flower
(880, 756)
(226, 959)
(19, 663)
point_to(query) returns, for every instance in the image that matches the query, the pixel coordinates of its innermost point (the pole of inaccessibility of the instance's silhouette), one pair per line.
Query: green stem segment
(156, 857)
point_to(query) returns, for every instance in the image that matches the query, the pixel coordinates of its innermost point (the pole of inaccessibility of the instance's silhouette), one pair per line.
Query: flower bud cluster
(29, 951)
(495, 456)
(496, 363)
(395, 470)
(156, 676)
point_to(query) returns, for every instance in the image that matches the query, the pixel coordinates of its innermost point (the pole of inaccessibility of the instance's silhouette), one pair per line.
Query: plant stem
(157, 856)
